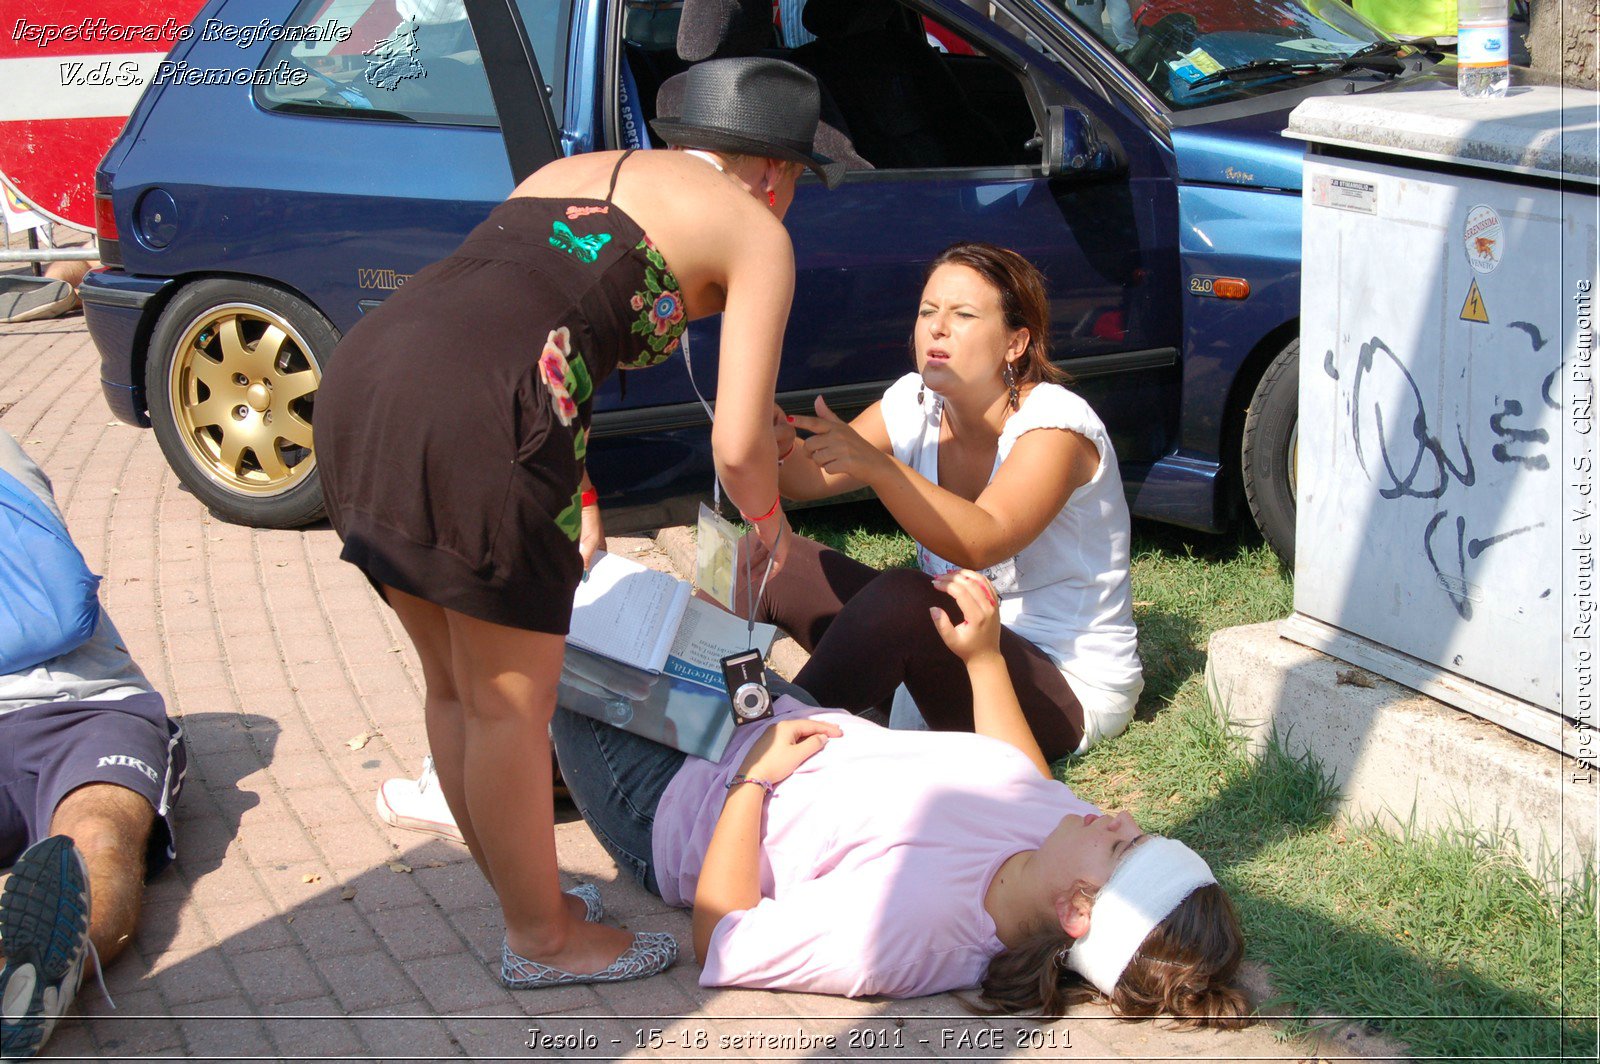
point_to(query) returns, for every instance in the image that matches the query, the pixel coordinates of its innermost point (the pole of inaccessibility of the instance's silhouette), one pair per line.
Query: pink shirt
(875, 857)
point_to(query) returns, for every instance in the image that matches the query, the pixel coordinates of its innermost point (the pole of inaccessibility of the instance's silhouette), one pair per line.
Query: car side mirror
(1074, 143)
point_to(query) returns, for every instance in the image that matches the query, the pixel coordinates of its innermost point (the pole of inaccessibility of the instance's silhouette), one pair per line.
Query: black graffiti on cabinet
(1535, 336)
(1455, 582)
(1428, 446)
(1418, 465)
(1512, 436)
(1538, 340)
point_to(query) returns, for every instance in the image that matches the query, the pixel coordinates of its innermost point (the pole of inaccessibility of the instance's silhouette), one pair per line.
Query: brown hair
(1022, 298)
(1186, 968)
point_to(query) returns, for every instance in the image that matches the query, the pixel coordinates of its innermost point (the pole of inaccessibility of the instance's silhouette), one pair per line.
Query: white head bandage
(1146, 886)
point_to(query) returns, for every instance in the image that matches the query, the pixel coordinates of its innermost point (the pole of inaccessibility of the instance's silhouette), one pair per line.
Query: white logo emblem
(124, 761)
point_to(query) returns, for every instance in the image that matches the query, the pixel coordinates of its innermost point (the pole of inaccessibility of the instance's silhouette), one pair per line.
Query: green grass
(1351, 920)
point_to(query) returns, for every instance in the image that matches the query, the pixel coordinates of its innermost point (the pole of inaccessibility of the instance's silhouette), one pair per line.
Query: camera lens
(751, 699)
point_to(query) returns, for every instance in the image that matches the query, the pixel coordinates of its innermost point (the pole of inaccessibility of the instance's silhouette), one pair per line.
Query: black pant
(868, 631)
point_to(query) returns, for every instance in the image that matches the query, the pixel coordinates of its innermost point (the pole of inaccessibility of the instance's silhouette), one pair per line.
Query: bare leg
(507, 680)
(110, 826)
(429, 629)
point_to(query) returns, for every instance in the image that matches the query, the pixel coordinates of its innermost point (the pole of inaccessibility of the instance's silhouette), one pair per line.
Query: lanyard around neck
(706, 156)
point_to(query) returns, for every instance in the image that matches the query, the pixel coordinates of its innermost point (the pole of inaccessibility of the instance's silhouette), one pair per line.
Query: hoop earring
(1009, 375)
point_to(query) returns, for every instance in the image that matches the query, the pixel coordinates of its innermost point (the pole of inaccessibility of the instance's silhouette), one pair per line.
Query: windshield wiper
(1379, 56)
(1264, 68)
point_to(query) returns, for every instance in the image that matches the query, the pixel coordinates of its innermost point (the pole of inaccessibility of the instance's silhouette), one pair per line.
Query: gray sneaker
(24, 298)
(44, 931)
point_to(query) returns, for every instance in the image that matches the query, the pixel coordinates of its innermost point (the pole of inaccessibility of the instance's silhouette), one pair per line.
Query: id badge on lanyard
(716, 539)
(716, 553)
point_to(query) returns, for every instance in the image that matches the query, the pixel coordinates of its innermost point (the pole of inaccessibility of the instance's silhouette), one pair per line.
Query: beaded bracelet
(742, 778)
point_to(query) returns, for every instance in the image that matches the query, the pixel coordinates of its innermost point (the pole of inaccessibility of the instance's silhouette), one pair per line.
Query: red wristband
(792, 444)
(590, 498)
(770, 511)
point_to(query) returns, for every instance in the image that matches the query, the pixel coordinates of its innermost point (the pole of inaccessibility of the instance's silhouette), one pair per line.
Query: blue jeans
(616, 780)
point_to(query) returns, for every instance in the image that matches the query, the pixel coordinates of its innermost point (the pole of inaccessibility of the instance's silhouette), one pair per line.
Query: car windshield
(1198, 52)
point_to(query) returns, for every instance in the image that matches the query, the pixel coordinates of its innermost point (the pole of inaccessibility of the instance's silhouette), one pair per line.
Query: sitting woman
(988, 463)
(824, 853)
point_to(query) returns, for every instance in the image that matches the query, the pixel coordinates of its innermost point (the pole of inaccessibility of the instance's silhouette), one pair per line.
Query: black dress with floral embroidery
(452, 421)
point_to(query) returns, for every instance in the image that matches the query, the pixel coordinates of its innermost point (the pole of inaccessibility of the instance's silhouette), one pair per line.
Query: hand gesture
(836, 447)
(783, 433)
(785, 746)
(591, 535)
(979, 630)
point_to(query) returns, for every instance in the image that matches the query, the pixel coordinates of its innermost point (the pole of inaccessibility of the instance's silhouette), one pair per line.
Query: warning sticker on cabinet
(1473, 309)
(1344, 195)
(1483, 236)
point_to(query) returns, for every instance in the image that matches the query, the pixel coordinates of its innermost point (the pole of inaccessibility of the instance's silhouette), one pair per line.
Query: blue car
(292, 163)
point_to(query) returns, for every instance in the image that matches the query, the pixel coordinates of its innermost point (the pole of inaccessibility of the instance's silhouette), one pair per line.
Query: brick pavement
(294, 922)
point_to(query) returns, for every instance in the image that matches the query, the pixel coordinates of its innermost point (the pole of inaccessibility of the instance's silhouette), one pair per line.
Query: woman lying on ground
(989, 463)
(904, 863)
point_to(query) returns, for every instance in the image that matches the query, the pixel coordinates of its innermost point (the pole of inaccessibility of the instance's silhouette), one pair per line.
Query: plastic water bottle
(1483, 49)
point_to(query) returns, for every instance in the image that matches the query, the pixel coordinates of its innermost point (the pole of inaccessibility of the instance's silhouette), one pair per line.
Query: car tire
(1270, 450)
(231, 375)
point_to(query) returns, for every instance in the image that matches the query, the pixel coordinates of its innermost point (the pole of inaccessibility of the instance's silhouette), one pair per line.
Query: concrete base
(1396, 754)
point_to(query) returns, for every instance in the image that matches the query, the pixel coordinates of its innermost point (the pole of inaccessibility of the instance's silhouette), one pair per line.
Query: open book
(644, 655)
(649, 620)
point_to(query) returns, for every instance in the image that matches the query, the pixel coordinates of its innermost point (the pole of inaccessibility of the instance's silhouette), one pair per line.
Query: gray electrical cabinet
(1445, 446)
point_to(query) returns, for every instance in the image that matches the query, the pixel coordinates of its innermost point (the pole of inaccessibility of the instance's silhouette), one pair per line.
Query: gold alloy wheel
(242, 385)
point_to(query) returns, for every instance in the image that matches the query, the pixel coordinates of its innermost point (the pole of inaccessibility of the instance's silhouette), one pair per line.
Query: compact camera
(747, 691)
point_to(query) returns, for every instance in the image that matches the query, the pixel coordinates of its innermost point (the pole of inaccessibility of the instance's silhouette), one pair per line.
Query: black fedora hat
(752, 106)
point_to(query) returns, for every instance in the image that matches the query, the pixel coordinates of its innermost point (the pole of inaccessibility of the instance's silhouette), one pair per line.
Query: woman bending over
(452, 437)
(989, 463)
(824, 853)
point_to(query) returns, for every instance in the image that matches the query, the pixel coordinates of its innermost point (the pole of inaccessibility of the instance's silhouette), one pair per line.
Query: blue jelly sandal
(651, 953)
(593, 908)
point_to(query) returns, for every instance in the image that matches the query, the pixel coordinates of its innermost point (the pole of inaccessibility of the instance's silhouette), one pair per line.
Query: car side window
(399, 60)
(548, 25)
(915, 93)
(902, 90)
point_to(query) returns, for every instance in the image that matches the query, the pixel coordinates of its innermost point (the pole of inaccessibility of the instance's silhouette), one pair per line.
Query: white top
(875, 857)
(1067, 592)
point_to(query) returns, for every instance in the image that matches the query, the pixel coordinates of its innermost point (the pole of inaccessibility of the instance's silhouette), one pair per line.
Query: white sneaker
(417, 805)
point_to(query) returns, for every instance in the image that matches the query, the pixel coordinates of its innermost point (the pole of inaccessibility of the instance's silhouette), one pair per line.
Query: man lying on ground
(90, 767)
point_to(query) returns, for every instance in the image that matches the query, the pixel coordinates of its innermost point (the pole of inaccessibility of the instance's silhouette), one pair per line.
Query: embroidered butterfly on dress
(586, 248)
